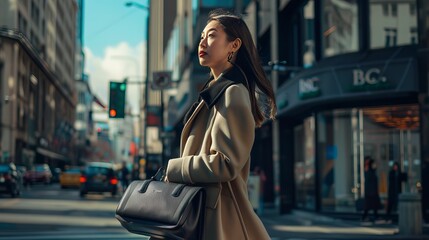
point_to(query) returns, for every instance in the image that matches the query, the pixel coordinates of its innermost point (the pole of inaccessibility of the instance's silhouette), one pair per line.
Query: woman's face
(214, 47)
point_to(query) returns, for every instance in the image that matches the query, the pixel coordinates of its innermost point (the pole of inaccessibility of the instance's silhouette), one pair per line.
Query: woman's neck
(217, 72)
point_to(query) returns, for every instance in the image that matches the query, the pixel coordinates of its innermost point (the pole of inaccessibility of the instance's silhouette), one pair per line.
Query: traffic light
(117, 99)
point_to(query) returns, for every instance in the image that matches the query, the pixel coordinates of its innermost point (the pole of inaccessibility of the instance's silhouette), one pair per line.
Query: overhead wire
(111, 24)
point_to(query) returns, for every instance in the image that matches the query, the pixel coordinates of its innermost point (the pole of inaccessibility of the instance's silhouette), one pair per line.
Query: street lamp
(146, 81)
(136, 4)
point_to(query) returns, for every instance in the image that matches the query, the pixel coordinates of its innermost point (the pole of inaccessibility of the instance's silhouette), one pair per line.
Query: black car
(99, 177)
(10, 180)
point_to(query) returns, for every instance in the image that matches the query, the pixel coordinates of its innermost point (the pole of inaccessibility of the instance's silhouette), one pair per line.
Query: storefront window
(308, 57)
(304, 164)
(345, 136)
(393, 23)
(340, 27)
(335, 141)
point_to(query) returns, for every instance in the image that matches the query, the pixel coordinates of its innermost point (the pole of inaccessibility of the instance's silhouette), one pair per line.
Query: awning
(50, 154)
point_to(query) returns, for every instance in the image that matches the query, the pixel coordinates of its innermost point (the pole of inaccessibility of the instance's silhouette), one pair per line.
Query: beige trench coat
(215, 152)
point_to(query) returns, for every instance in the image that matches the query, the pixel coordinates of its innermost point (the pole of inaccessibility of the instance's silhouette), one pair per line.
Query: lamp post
(146, 93)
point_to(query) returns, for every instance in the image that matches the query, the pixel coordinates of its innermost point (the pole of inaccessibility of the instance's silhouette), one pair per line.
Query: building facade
(37, 84)
(354, 86)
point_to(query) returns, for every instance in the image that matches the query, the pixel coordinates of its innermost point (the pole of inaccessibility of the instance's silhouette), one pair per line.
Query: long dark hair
(248, 60)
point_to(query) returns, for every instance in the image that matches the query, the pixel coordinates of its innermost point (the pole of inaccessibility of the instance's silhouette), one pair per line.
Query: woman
(219, 131)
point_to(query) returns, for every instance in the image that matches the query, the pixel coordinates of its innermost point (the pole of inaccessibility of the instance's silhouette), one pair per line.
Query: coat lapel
(187, 126)
(210, 95)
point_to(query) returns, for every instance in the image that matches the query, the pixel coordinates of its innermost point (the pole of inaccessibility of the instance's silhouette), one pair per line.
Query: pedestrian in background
(219, 132)
(262, 179)
(125, 174)
(396, 178)
(135, 174)
(372, 197)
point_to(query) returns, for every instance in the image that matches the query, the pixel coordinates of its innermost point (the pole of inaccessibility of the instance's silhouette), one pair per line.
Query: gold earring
(230, 54)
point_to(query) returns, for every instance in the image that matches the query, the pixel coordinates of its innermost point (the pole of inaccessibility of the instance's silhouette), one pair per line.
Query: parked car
(10, 180)
(70, 177)
(99, 177)
(41, 173)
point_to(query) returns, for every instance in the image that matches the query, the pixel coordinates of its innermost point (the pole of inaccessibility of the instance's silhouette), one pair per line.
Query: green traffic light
(117, 99)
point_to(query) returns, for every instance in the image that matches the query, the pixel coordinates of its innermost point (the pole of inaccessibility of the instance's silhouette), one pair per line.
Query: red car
(41, 173)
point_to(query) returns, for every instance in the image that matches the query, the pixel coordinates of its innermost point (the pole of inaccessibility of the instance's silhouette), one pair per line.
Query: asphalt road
(49, 212)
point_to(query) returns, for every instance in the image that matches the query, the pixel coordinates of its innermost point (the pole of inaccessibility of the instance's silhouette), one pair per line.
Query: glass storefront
(305, 164)
(345, 136)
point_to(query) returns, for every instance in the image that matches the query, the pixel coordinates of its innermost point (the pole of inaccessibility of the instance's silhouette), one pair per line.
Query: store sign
(153, 116)
(309, 88)
(369, 79)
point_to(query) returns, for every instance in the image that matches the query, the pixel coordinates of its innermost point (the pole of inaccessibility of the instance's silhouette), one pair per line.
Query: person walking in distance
(219, 129)
(125, 174)
(396, 177)
(372, 197)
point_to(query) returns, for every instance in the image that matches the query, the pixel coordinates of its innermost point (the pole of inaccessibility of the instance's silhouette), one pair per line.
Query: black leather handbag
(162, 210)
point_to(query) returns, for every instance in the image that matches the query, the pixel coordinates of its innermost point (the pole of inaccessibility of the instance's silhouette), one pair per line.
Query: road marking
(9, 203)
(336, 230)
(55, 220)
(123, 236)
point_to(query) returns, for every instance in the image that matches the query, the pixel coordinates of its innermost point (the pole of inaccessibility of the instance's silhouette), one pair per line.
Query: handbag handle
(176, 191)
(160, 170)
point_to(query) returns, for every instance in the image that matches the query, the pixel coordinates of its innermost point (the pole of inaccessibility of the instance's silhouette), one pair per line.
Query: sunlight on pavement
(47, 204)
(10, 203)
(336, 230)
(58, 220)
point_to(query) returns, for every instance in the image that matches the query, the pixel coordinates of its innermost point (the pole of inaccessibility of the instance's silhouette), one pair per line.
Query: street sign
(161, 80)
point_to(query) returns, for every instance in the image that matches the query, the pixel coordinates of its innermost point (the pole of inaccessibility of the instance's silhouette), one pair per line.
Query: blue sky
(109, 22)
(115, 46)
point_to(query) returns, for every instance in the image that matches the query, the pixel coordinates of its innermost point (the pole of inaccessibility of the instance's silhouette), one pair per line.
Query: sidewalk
(305, 225)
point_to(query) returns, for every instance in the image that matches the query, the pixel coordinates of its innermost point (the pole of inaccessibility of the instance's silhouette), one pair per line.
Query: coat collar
(212, 93)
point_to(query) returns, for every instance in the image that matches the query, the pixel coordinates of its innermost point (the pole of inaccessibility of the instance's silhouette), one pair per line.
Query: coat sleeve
(232, 135)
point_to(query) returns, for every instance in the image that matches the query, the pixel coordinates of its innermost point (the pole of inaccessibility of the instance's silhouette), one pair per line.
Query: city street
(49, 212)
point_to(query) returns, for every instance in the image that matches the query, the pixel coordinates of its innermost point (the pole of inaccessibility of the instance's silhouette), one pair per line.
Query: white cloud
(119, 62)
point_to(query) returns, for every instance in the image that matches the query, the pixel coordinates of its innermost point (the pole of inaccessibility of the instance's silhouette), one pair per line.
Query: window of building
(217, 3)
(308, 51)
(35, 13)
(81, 116)
(340, 27)
(391, 37)
(22, 23)
(385, 7)
(412, 9)
(394, 10)
(82, 99)
(394, 29)
(305, 164)
(387, 134)
(413, 33)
